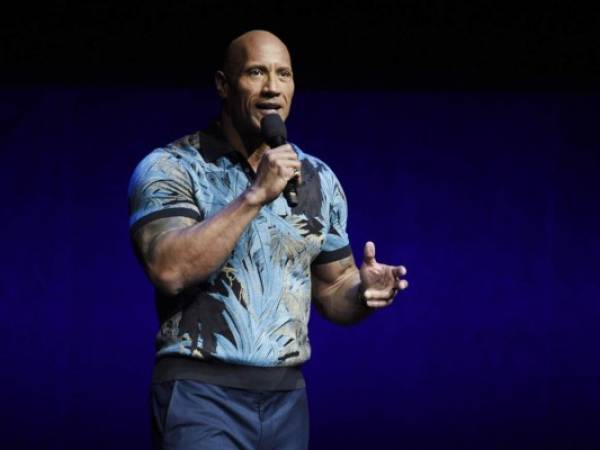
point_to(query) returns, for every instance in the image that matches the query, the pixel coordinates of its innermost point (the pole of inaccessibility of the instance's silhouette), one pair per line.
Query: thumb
(369, 253)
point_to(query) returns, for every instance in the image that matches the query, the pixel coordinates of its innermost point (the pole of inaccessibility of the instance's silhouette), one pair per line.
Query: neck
(250, 146)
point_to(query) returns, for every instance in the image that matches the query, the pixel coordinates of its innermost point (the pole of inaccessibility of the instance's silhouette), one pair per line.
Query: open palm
(380, 282)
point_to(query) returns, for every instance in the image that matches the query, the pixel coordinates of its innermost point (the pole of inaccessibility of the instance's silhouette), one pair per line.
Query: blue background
(489, 198)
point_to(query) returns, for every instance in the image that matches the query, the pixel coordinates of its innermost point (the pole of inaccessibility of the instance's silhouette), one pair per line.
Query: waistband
(220, 373)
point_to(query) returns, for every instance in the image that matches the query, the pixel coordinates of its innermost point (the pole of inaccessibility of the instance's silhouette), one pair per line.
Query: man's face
(260, 82)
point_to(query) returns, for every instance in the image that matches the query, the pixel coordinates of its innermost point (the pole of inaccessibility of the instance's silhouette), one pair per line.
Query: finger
(284, 164)
(287, 166)
(379, 303)
(287, 156)
(291, 170)
(379, 294)
(399, 271)
(293, 173)
(293, 164)
(298, 176)
(369, 253)
(287, 148)
(401, 284)
(284, 151)
(275, 157)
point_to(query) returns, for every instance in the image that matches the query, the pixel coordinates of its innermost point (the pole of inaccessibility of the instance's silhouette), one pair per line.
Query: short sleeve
(336, 244)
(160, 186)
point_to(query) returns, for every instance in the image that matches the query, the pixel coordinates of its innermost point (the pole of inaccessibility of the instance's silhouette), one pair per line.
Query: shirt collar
(213, 144)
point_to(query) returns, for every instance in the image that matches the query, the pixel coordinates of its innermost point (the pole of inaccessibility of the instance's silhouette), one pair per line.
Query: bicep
(147, 237)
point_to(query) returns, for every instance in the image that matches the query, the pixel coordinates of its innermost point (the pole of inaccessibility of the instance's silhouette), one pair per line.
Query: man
(235, 267)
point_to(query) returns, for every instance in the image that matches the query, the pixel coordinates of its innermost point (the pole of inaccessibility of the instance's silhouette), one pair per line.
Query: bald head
(256, 80)
(238, 50)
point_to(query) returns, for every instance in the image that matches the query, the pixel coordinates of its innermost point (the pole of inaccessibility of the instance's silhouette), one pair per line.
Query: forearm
(340, 301)
(186, 256)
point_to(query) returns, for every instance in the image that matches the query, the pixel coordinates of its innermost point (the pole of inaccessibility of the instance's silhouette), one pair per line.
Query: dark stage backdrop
(489, 199)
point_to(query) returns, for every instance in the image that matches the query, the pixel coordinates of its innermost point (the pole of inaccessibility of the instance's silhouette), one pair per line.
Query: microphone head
(272, 130)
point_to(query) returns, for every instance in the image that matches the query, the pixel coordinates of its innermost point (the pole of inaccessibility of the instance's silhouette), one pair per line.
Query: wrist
(251, 197)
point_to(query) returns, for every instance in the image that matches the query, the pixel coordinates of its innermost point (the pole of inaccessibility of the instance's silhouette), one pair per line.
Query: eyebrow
(255, 66)
(265, 68)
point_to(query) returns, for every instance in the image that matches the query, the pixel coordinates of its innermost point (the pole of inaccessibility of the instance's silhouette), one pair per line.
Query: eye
(286, 74)
(255, 72)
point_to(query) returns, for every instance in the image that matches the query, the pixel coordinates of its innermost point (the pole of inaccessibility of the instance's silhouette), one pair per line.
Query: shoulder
(171, 159)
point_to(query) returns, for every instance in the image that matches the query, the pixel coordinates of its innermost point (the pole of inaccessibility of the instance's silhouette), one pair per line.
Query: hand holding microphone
(279, 168)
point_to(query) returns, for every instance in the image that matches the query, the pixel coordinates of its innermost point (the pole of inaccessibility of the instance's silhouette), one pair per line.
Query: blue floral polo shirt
(254, 310)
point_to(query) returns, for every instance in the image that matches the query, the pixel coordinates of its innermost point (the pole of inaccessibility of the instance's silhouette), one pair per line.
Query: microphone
(272, 130)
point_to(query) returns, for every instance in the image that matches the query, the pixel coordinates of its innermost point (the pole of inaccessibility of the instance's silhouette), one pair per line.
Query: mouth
(268, 108)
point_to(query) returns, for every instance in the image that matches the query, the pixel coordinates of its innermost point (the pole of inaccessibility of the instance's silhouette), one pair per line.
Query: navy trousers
(192, 415)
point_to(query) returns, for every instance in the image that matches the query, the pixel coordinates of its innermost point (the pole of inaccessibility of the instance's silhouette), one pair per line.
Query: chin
(251, 128)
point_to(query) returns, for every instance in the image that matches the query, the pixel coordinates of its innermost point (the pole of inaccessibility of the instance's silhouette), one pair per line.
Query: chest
(277, 229)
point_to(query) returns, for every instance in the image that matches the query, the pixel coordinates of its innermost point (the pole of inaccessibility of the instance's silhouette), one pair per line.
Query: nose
(271, 87)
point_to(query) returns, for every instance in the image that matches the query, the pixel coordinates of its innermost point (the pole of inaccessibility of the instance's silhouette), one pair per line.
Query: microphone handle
(290, 192)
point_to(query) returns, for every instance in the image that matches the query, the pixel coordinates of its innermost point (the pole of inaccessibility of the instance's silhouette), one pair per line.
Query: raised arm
(178, 252)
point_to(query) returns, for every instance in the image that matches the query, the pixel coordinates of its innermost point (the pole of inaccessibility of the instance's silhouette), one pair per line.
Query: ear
(222, 84)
